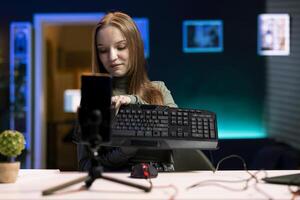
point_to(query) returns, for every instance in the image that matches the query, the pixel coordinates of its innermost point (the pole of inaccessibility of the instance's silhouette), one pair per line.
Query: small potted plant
(11, 145)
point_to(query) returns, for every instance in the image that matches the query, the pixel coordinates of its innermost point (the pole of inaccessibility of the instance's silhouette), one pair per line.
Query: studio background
(247, 91)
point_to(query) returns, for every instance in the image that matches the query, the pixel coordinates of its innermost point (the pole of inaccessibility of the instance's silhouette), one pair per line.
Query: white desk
(30, 183)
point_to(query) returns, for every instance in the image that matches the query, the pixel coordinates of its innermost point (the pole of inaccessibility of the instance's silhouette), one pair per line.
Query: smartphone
(95, 109)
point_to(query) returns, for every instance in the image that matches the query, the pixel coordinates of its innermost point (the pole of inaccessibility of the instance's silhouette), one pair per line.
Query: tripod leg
(64, 185)
(146, 189)
(89, 182)
(94, 173)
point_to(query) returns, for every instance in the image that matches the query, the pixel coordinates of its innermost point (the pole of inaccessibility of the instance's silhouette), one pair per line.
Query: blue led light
(143, 26)
(20, 82)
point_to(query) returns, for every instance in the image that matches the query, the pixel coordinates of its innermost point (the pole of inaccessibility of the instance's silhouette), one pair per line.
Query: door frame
(39, 122)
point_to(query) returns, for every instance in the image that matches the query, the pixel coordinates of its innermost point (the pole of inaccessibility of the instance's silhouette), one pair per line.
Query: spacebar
(123, 133)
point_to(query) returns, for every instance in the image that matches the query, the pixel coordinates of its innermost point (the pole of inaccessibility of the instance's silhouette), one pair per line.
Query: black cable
(212, 160)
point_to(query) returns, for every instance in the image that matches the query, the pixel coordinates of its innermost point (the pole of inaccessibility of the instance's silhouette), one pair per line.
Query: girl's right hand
(119, 100)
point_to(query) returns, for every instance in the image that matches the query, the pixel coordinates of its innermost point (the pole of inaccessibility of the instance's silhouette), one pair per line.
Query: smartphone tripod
(93, 139)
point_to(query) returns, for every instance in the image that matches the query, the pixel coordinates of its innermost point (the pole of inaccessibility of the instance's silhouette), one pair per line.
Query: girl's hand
(119, 100)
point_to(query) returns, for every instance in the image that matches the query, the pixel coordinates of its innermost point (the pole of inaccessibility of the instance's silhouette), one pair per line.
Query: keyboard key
(156, 133)
(164, 121)
(148, 133)
(197, 135)
(173, 133)
(212, 134)
(123, 133)
(140, 133)
(164, 134)
(163, 117)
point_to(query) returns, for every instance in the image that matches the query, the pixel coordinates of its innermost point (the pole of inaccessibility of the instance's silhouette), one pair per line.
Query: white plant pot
(9, 172)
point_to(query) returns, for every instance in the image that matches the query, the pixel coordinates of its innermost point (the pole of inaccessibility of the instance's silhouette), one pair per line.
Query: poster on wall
(202, 36)
(274, 34)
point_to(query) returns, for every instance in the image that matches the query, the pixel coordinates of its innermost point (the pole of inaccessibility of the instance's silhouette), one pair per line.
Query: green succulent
(11, 143)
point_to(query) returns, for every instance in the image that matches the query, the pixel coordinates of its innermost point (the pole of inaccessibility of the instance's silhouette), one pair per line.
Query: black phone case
(95, 101)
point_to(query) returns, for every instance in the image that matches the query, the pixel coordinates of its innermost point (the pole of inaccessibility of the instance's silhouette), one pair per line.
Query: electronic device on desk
(290, 179)
(143, 126)
(95, 97)
(143, 170)
(163, 127)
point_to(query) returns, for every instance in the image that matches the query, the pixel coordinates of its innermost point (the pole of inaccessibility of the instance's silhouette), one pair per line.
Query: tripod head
(90, 121)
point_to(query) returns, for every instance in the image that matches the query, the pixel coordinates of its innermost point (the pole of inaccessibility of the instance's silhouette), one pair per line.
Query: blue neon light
(143, 26)
(20, 57)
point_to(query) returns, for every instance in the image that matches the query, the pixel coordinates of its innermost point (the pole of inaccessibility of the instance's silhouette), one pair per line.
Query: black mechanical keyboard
(163, 127)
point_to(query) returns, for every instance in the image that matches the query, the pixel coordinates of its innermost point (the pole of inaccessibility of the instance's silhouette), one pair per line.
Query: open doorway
(68, 55)
(62, 53)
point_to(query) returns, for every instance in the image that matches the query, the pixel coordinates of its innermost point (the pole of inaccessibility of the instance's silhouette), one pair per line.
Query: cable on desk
(231, 156)
(253, 176)
(172, 197)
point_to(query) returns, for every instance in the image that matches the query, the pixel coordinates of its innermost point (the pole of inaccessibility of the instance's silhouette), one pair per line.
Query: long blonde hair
(139, 83)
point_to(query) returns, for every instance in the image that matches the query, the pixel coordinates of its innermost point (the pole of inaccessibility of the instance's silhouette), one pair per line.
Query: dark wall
(231, 83)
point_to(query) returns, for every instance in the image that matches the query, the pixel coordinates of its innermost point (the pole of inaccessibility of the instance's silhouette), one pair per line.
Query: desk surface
(219, 185)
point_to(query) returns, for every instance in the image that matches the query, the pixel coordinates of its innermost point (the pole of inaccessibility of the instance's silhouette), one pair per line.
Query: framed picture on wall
(202, 36)
(273, 34)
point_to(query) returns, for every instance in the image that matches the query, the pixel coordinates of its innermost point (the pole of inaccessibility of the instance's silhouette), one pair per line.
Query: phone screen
(95, 108)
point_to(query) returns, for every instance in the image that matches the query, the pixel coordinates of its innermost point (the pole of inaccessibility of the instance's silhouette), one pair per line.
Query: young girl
(118, 51)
